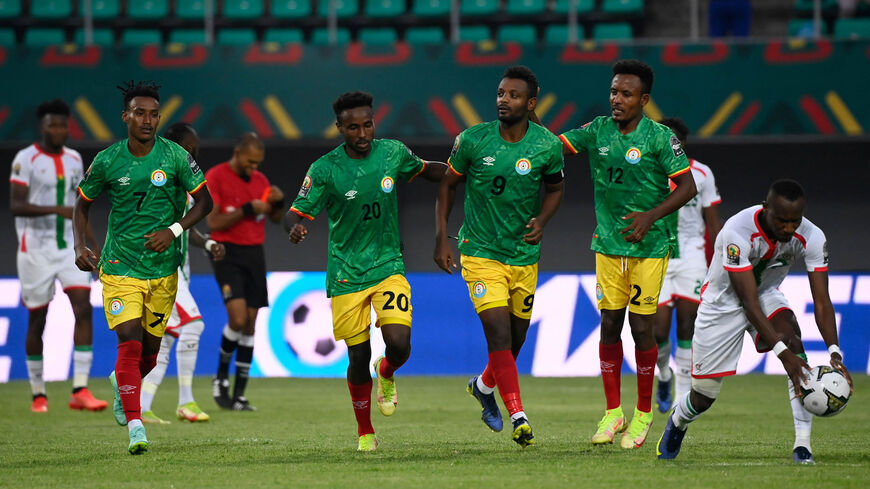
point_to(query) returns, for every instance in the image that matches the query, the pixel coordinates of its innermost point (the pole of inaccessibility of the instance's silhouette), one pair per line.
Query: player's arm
(641, 222)
(160, 240)
(443, 205)
(86, 259)
(826, 319)
(275, 198)
(204, 241)
(296, 230)
(434, 171)
(20, 207)
(711, 219)
(554, 187)
(219, 221)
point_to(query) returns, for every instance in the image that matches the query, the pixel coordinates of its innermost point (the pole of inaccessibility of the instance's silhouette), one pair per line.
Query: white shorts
(38, 269)
(185, 309)
(683, 280)
(718, 338)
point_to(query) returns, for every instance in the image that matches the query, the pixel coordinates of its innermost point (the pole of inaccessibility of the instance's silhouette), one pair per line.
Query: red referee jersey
(229, 193)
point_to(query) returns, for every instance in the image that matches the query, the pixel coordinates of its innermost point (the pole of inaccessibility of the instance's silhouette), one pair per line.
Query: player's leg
(83, 351)
(391, 301)
(37, 290)
(186, 353)
(244, 358)
(662, 333)
(152, 381)
(230, 276)
(687, 311)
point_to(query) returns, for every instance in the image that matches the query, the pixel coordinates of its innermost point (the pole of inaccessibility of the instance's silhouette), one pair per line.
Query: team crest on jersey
(16, 168)
(633, 155)
(116, 305)
(455, 147)
(227, 291)
(387, 184)
(158, 178)
(599, 292)
(306, 187)
(733, 252)
(478, 289)
(676, 147)
(192, 164)
(523, 166)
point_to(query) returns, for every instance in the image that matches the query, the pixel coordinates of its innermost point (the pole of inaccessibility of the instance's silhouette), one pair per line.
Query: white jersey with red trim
(743, 246)
(51, 180)
(691, 225)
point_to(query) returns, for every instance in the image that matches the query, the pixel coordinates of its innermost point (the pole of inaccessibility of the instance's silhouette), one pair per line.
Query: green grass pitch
(304, 435)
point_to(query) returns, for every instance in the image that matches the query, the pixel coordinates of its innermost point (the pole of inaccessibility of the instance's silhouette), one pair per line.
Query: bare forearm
(218, 221)
(552, 201)
(291, 219)
(202, 206)
(30, 210)
(443, 206)
(674, 200)
(434, 171)
(827, 323)
(80, 223)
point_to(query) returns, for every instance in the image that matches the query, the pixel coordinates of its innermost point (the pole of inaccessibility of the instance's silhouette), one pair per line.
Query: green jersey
(630, 173)
(502, 189)
(147, 194)
(360, 199)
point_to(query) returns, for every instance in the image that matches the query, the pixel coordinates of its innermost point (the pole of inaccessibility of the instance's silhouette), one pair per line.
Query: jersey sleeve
(410, 165)
(312, 195)
(556, 161)
(459, 159)
(577, 140)
(20, 172)
(735, 253)
(94, 180)
(709, 194)
(672, 158)
(192, 178)
(816, 256)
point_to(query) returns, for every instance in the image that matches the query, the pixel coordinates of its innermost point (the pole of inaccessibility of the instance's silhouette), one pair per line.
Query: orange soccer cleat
(83, 399)
(40, 404)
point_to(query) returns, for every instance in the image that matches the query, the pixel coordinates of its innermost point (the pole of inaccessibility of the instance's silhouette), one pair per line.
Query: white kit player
(185, 324)
(682, 285)
(753, 254)
(43, 188)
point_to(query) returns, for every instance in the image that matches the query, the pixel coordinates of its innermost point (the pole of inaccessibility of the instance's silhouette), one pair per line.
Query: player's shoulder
(744, 222)
(809, 230)
(170, 147)
(700, 168)
(75, 155)
(110, 153)
(541, 133)
(477, 132)
(26, 153)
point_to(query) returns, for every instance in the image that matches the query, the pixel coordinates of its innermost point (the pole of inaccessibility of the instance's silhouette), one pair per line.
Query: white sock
(133, 423)
(155, 376)
(146, 395)
(803, 420)
(517, 415)
(684, 370)
(185, 354)
(684, 413)
(34, 372)
(83, 357)
(663, 361)
(483, 388)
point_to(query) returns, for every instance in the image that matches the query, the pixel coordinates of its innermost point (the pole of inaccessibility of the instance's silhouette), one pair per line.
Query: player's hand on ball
(444, 256)
(298, 233)
(837, 363)
(87, 260)
(536, 232)
(160, 240)
(795, 367)
(275, 194)
(218, 251)
(642, 222)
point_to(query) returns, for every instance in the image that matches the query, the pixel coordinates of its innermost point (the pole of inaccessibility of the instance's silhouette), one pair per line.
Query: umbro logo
(125, 180)
(360, 404)
(644, 370)
(127, 389)
(350, 194)
(607, 367)
(602, 151)
(488, 160)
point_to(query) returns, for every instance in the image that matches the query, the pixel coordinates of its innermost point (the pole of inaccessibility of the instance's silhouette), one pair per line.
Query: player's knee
(705, 392)
(82, 310)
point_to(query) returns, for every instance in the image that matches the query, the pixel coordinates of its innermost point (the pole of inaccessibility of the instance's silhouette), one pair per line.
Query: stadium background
(759, 109)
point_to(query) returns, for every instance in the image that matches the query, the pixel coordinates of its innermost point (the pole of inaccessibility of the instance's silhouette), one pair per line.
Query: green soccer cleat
(138, 442)
(148, 417)
(117, 408)
(523, 433)
(637, 430)
(612, 423)
(192, 413)
(388, 396)
(368, 443)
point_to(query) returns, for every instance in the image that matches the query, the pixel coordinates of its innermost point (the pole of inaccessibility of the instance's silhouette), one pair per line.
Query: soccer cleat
(670, 442)
(664, 397)
(148, 417)
(220, 390)
(803, 456)
(117, 408)
(367, 443)
(40, 404)
(490, 413)
(610, 425)
(242, 404)
(523, 433)
(637, 430)
(83, 399)
(191, 412)
(138, 442)
(388, 396)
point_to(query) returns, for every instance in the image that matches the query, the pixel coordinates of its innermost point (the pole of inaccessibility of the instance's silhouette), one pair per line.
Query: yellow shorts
(151, 301)
(492, 283)
(352, 315)
(629, 281)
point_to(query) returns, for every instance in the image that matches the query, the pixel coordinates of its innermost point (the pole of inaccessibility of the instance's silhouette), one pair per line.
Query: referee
(243, 199)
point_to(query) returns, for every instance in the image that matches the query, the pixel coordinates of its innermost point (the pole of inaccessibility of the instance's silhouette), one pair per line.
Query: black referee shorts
(242, 274)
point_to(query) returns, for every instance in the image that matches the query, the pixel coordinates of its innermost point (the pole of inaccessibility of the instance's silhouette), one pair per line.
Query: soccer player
(42, 188)
(682, 285)
(147, 179)
(504, 164)
(356, 184)
(631, 159)
(753, 254)
(185, 325)
(243, 199)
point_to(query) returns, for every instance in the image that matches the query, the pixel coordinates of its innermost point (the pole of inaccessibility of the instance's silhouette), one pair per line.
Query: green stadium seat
(612, 32)
(558, 34)
(431, 8)
(474, 33)
(243, 9)
(622, 6)
(583, 6)
(804, 28)
(343, 8)
(50, 9)
(187, 36)
(148, 9)
(523, 34)
(140, 37)
(381, 35)
(806, 7)
(525, 7)
(425, 35)
(102, 9)
(320, 36)
(236, 37)
(283, 36)
(42, 36)
(102, 37)
(291, 9)
(857, 28)
(385, 8)
(7, 37)
(10, 8)
(190, 9)
(478, 7)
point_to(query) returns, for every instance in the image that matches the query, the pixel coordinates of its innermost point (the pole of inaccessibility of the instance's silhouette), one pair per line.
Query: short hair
(523, 73)
(132, 89)
(177, 132)
(55, 107)
(351, 100)
(788, 189)
(638, 68)
(249, 139)
(678, 126)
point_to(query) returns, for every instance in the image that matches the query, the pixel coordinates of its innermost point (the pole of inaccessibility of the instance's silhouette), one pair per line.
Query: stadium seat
(381, 35)
(140, 37)
(385, 8)
(805, 7)
(50, 9)
(583, 6)
(243, 9)
(283, 36)
(102, 37)
(42, 36)
(291, 9)
(857, 28)
(190, 9)
(148, 9)
(320, 36)
(558, 34)
(102, 9)
(236, 37)
(187, 36)
(622, 6)
(523, 34)
(430, 8)
(478, 7)
(474, 33)
(7, 37)
(612, 32)
(804, 28)
(10, 8)
(343, 8)
(424, 35)
(525, 7)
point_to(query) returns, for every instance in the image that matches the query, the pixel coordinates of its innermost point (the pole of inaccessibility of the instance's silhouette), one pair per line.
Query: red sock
(646, 362)
(361, 396)
(128, 377)
(504, 369)
(388, 368)
(610, 358)
(146, 364)
(487, 377)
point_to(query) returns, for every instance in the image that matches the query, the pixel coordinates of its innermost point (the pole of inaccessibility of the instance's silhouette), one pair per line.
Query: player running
(753, 254)
(147, 179)
(504, 164)
(356, 183)
(682, 285)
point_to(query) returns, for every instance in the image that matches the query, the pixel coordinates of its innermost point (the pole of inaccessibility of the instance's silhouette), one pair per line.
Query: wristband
(248, 209)
(779, 347)
(835, 349)
(176, 229)
(278, 205)
(208, 244)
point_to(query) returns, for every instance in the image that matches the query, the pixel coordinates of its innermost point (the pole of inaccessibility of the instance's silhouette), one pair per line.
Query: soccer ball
(826, 391)
(308, 330)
